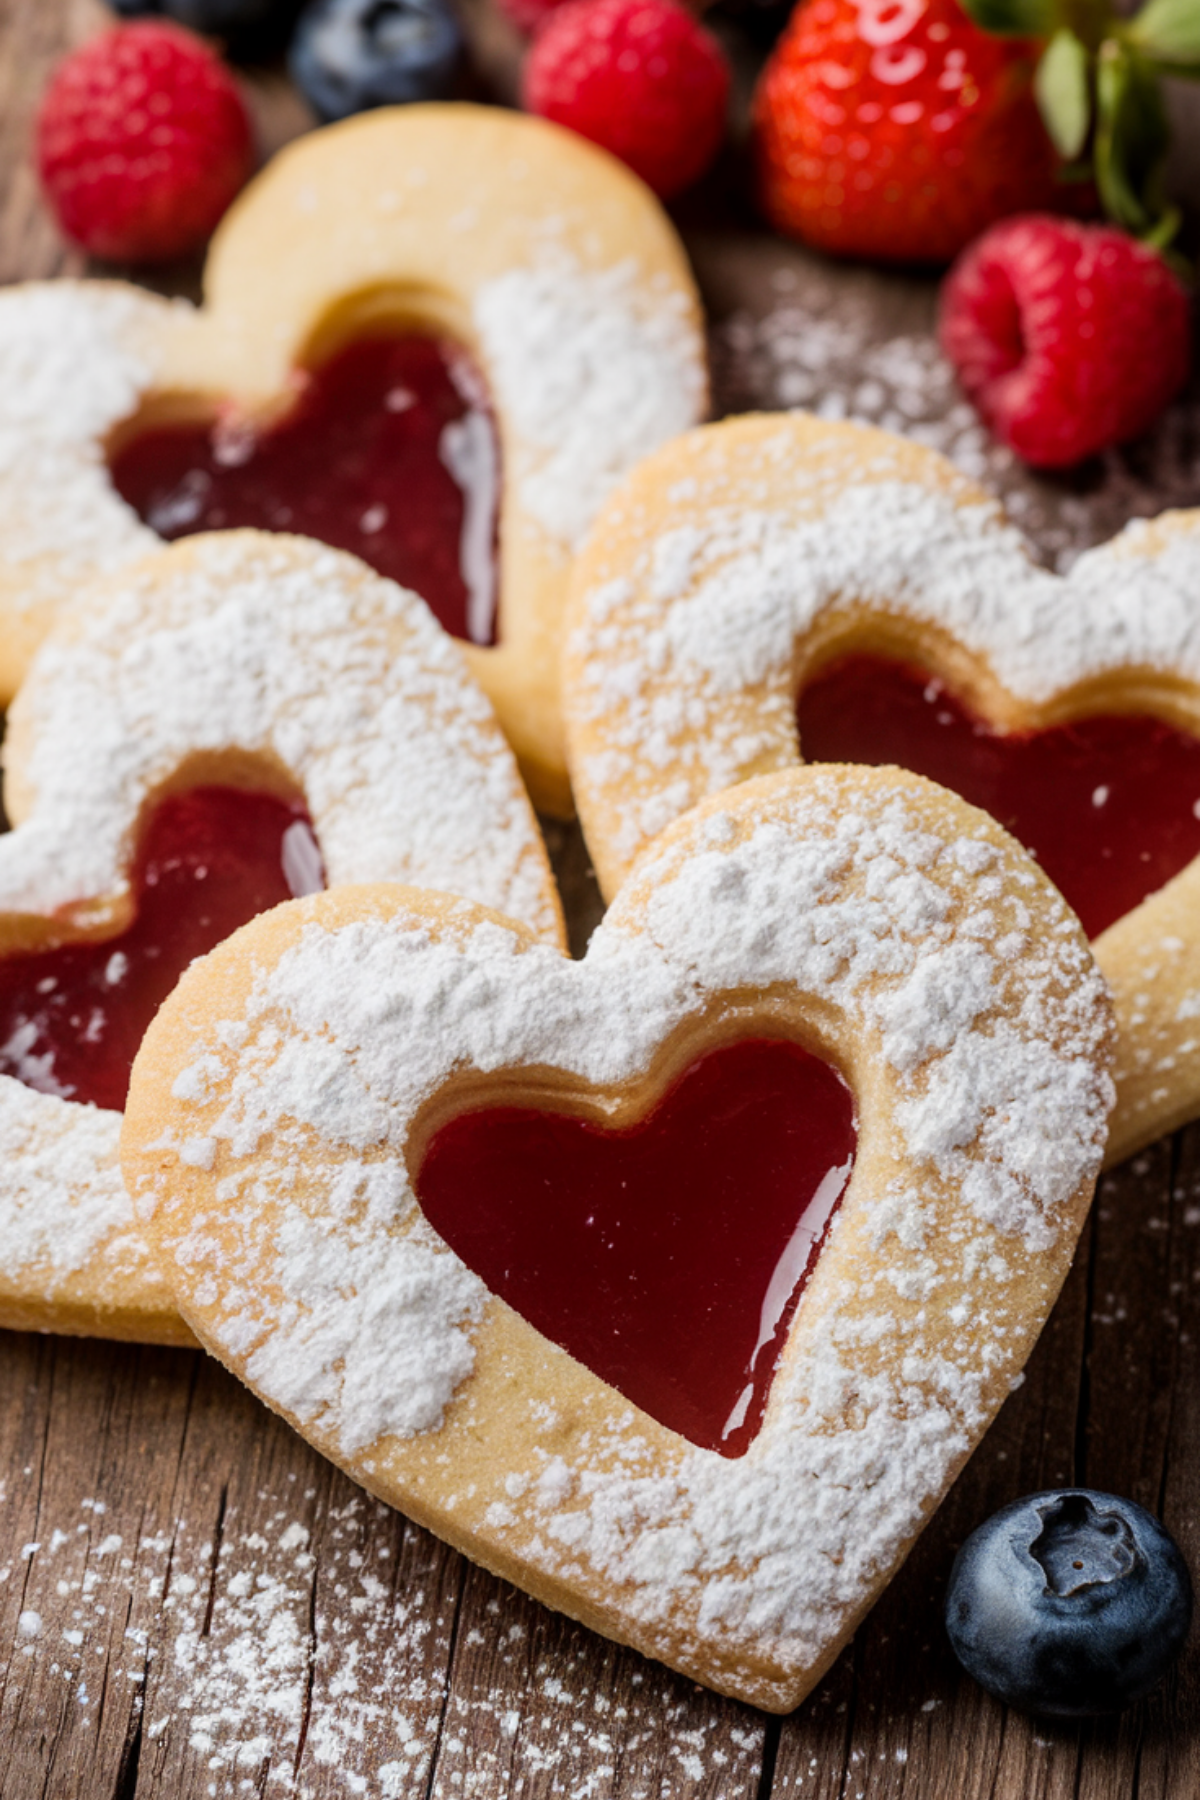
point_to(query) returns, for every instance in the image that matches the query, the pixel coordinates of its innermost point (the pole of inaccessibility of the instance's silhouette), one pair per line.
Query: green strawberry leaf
(1014, 18)
(1063, 93)
(1168, 32)
(1132, 135)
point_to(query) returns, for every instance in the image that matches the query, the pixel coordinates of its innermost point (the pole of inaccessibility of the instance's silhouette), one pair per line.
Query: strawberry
(898, 130)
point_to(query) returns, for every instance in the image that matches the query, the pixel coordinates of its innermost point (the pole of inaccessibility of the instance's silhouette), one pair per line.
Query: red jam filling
(668, 1257)
(389, 450)
(1110, 805)
(72, 1017)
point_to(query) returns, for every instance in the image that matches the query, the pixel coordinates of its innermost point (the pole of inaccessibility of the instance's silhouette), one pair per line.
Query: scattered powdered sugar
(259, 644)
(840, 889)
(252, 1668)
(817, 344)
(592, 369)
(75, 360)
(307, 1647)
(682, 660)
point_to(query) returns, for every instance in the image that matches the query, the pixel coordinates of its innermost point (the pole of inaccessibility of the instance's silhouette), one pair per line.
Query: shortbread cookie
(769, 558)
(199, 717)
(566, 344)
(846, 974)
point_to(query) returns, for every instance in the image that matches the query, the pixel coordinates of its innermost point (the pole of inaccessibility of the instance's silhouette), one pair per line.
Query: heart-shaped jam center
(388, 449)
(72, 1016)
(1109, 805)
(669, 1256)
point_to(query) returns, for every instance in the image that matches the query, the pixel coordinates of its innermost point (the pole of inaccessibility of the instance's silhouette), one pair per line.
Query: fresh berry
(639, 77)
(898, 130)
(1068, 338)
(142, 142)
(1068, 1603)
(350, 55)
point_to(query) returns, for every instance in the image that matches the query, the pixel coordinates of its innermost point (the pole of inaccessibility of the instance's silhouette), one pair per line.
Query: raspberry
(142, 142)
(638, 77)
(1068, 338)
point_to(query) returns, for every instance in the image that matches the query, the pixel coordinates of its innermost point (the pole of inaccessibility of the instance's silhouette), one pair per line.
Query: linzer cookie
(433, 335)
(772, 588)
(675, 1284)
(230, 722)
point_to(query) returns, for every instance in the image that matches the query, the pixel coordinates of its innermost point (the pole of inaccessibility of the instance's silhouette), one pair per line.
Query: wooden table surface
(193, 1603)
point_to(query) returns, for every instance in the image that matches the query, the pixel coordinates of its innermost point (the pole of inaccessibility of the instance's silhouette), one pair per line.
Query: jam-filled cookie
(433, 335)
(675, 1284)
(776, 588)
(232, 722)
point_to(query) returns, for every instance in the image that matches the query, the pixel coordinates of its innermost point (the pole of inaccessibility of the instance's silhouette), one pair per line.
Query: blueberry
(348, 55)
(1069, 1603)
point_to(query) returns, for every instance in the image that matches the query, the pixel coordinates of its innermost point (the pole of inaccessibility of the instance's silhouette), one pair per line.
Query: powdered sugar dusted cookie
(227, 723)
(772, 588)
(433, 335)
(76, 359)
(455, 1205)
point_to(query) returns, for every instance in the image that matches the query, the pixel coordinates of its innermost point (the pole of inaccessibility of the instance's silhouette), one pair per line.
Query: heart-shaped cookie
(293, 1103)
(519, 244)
(741, 567)
(234, 671)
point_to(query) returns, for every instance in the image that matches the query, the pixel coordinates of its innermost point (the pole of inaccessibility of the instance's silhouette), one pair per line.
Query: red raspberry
(898, 130)
(639, 77)
(142, 142)
(1068, 338)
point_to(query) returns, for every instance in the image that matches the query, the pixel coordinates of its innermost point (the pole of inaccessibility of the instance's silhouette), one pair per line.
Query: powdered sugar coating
(684, 645)
(277, 648)
(932, 946)
(76, 358)
(63, 1197)
(593, 370)
(282, 648)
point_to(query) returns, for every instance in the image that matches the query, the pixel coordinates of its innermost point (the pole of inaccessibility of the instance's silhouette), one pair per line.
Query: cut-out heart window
(73, 1014)
(388, 448)
(668, 1256)
(1109, 803)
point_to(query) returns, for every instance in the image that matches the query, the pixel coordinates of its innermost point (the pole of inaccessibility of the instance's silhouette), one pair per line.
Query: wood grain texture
(194, 1605)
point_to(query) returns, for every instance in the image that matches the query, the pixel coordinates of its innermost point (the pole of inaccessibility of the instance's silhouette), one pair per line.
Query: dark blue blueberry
(1069, 1603)
(348, 55)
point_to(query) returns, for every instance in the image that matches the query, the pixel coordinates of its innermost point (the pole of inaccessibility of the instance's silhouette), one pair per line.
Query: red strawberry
(1068, 338)
(639, 77)
(898, 130)
(142, 142)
